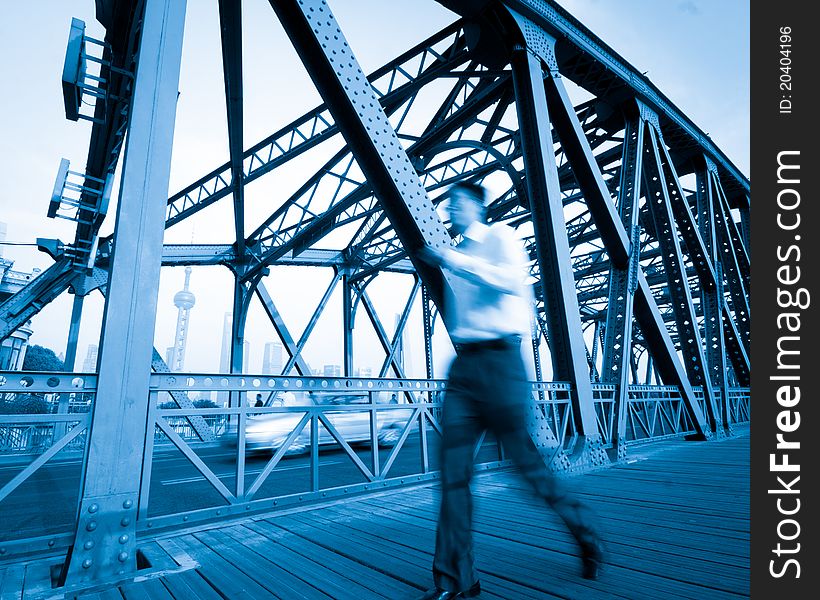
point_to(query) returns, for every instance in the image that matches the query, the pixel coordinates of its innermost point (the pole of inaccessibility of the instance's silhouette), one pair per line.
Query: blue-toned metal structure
(628, 210)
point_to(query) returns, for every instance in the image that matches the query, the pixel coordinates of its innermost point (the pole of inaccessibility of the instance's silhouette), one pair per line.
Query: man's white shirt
(490, 297)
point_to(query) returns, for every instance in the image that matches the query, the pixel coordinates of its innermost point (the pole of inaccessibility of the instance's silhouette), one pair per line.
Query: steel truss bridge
(636, 224)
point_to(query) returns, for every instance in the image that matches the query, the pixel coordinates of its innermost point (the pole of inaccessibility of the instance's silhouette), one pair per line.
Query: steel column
(70, 357)
(230, 21)
(427, 322)
(622, 284)
(567, 349)
(74, 332)
(242, 294)
(347, 324)
(689, 339)
(712, 299)
(593, 359)
(615, 239)
(104, 549)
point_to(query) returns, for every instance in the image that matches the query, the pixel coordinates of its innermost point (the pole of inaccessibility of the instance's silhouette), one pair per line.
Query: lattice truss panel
(635, 224)
(456, 119)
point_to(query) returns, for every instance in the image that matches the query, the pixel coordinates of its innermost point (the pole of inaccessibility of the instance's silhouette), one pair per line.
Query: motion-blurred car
(268, 432)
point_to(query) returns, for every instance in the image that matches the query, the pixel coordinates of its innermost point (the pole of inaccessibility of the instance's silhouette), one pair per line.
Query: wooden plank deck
(675, 520)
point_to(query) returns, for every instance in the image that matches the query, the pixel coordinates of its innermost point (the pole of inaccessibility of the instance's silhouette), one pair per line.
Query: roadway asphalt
(46, 503)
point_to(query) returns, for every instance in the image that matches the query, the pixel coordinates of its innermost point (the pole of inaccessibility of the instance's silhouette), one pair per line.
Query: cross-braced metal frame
(640, 268)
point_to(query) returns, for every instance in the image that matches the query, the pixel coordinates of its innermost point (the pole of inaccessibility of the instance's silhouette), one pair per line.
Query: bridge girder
(582, 184)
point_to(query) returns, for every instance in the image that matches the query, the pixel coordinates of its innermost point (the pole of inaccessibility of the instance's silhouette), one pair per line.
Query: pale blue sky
(695, 52)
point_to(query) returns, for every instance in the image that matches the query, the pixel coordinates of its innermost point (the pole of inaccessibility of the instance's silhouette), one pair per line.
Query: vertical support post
(594, 357)
(659, 202)
(230, 21)
(374, 435)
(60, 429)
(552, 245)
(536, 359)
(734, 261)
(424, 448)
(633, 367)
(242, 293)
(649, 370)
(278, 323)
(347, 324)
(427, 321)
(314, 452)
(104, 548)
(623, 282)
(74, 332)
(148, 455)
(238, 327)
(242, 421)
(712, 299)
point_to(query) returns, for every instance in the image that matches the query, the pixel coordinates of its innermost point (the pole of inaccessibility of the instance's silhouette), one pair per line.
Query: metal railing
(380, 433)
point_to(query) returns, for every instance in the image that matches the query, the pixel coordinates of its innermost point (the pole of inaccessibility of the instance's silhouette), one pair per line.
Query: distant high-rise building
(364, 372)
(332, 371)
(225, 355)
(272, 359)
(184, 300)
(90, 362)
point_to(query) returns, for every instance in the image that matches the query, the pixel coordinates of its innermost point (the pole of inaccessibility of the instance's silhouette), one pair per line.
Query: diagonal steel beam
(330, 62)
(620, 76)
(712, 299)
(616, 241)
(282, 329)
(27, 302)
(689, 338)
(314, 318)
(400, 327)
(623, 283)
(230, 27)
(735, 264)
(384, 339)
(557, 283)
(316, 126)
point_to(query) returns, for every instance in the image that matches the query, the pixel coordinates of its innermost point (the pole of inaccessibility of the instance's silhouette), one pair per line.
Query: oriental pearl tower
(184, 300)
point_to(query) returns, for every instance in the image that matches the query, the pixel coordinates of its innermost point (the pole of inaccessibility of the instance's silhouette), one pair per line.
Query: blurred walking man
(489, 312)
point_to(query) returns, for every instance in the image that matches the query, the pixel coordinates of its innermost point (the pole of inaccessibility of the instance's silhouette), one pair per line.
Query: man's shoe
(593, 556)
(440, 594)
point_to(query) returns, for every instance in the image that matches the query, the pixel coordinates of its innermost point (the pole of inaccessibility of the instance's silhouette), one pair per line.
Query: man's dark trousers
(487, 388)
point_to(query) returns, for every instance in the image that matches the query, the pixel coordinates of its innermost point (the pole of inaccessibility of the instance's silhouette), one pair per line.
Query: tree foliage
(198, 403)
(23, 404)
(39, 358)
